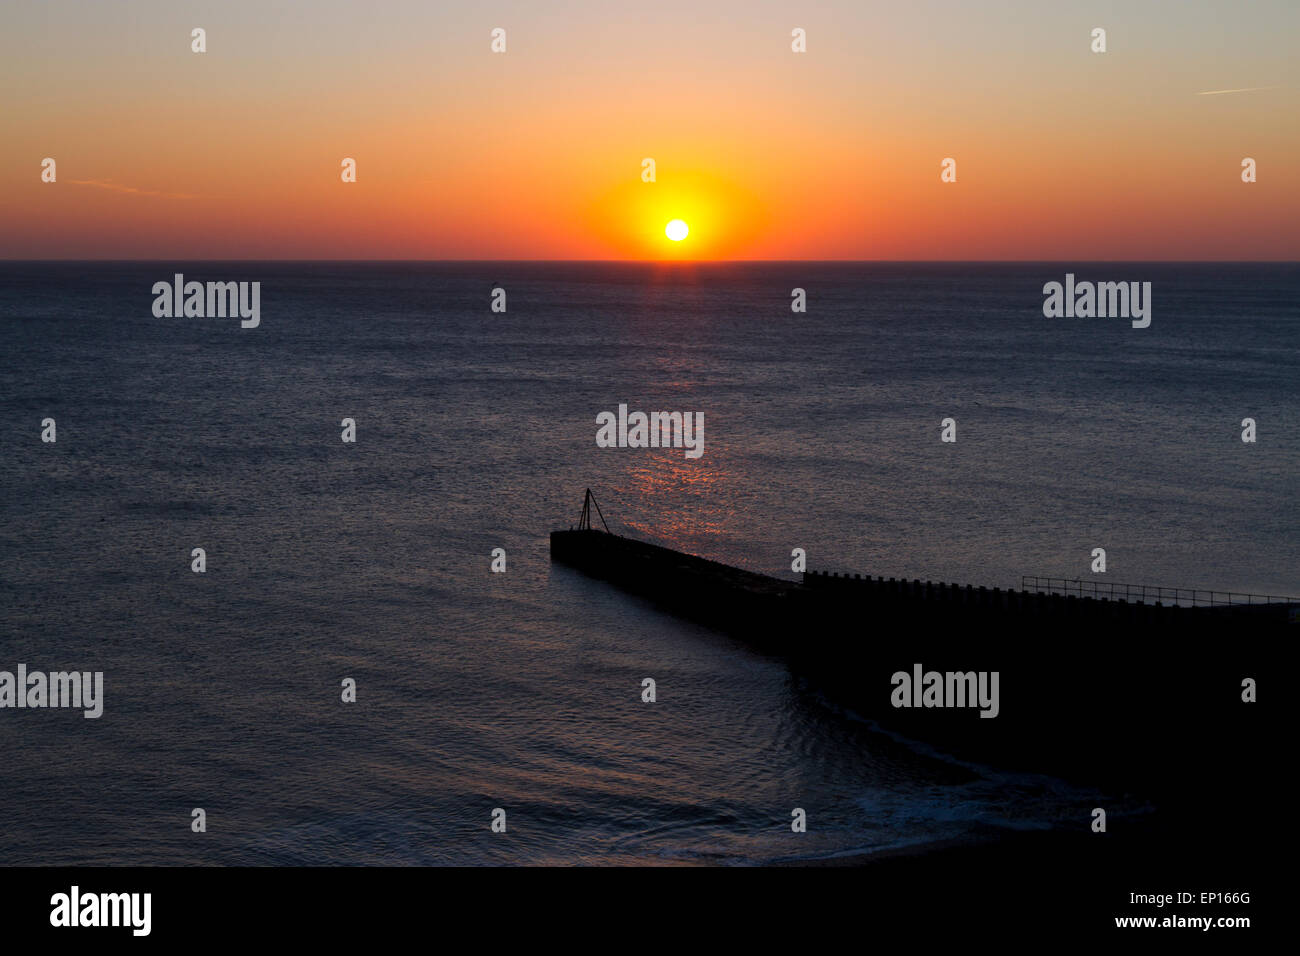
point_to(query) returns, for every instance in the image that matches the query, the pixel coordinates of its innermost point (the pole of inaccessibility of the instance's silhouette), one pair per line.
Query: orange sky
(536, 153)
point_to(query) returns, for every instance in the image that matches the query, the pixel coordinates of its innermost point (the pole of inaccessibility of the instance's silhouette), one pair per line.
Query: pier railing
(1147, 593)
(1067, 598)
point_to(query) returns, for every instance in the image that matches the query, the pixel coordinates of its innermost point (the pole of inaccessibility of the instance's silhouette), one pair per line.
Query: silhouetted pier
(1089, 681)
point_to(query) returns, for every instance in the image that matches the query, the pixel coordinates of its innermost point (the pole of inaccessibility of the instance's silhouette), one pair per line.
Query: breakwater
(1091, 689)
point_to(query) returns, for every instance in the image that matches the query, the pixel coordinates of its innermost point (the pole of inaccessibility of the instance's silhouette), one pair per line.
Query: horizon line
(151, 259)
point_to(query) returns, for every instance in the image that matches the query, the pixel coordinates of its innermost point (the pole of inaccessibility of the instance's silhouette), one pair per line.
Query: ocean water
(475, 431)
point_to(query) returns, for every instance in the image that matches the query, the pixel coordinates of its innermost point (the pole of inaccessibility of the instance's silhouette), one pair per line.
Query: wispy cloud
(1244, 89)
(119, 188)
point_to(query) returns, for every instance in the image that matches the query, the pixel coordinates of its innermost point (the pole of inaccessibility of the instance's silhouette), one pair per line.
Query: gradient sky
(536, 154)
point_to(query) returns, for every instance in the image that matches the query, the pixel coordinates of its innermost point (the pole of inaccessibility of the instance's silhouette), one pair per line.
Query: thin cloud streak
(118, 187)
(1244, 89)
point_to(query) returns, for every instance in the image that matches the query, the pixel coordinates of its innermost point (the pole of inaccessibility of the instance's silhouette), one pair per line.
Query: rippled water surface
(476, 431)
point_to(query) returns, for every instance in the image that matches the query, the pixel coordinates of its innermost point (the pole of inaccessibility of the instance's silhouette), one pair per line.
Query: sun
(677, 230)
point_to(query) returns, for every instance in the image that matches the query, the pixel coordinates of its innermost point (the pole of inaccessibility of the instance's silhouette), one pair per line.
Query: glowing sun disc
(677, 230)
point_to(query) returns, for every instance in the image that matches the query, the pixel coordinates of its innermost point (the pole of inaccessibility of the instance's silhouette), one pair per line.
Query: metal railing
(1147, 593)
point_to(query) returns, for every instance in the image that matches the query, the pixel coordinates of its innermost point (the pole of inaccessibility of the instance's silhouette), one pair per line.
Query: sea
(522, 691)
